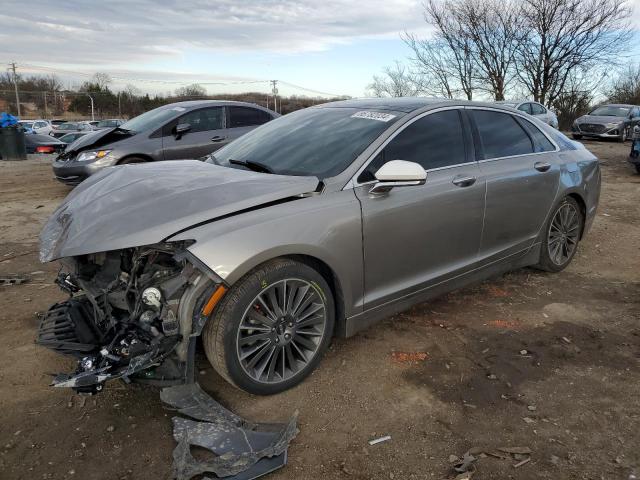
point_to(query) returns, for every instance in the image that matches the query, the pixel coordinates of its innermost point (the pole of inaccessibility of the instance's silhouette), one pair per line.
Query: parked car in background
(172, 132)
(56, 122)
(72, 137)
(316, 224)
(70, 127)
(42, 127)
(37, 143)
(535, 109)
(607, 121)
(110, 123)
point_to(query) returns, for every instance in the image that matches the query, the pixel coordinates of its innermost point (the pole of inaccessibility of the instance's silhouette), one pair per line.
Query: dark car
(176, 131)
(36, 143)
(69, 127)
(607, 121)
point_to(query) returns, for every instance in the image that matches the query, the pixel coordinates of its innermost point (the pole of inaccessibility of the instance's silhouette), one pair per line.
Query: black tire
(223, 334)
(623, 135)
(131, 160)
(556, 263)
(637, 165)
(576, 136)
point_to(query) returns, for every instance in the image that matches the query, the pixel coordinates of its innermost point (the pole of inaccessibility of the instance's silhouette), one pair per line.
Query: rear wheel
(637, 165)
(576, 136)
(271, 329)
(562, 234)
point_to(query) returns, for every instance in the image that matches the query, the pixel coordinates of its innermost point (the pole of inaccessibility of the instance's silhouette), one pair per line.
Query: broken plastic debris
(242, 450)
(13, 280)
(386, 438)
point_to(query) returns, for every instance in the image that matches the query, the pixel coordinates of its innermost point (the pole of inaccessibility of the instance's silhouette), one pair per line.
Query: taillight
(44, 149)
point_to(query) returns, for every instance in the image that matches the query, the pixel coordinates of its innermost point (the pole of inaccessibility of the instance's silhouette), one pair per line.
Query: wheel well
(583, 208)
(334, 284)
(146, 158)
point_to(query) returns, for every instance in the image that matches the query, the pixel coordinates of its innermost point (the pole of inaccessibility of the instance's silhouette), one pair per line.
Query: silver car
(607, 121)
(316, 224)
(536, 109)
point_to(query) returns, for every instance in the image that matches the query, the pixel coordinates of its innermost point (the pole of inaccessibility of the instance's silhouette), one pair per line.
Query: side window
(203, 119)
(246, 117)
(433, 141)
(525, 107)
(538, 109)
(501, 135)
(541, 142)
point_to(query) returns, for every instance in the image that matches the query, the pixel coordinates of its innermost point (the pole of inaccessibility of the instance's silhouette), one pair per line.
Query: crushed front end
(131, 314)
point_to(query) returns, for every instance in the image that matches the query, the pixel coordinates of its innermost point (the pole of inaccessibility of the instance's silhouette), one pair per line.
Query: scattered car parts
(242, 450)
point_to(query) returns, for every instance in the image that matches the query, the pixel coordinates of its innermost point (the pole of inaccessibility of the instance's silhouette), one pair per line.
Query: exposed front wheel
(562, 234)
(271, 328)
(576, 136)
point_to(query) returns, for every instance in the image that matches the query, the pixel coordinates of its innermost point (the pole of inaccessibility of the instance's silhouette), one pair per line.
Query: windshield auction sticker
(380, 117)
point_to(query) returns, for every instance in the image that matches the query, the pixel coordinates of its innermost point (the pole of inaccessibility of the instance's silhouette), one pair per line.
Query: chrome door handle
(218, 138)
(463, 181)
(542, 166)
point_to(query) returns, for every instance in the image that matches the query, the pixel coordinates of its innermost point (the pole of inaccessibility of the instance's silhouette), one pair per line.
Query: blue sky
(329, 46)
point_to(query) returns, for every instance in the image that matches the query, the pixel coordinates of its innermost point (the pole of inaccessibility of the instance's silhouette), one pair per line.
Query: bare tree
(396, 81)
(568, 35)
(575, 100)
(493, 30)
(101, 79)
(193, 90)
(626, 87)
(445, 72)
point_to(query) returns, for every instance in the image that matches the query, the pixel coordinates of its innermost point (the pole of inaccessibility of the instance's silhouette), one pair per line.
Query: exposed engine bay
(130, 315)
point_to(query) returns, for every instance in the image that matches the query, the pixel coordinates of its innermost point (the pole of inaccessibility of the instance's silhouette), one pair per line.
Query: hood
(599, 119)
(134, 205)
(97, 138)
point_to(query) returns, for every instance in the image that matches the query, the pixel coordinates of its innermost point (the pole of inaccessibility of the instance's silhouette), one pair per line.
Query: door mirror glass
(398, 173)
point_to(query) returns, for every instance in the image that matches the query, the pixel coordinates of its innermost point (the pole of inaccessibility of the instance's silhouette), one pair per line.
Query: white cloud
(121, 32)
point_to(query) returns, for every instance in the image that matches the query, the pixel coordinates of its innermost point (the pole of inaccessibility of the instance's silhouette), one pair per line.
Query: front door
(416, 236)
(206, 134)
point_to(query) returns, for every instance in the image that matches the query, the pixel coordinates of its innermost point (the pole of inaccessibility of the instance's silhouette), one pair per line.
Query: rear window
(246, 117)
(501, 135)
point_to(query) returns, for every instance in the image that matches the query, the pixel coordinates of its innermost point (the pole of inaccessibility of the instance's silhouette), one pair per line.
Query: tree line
(556, 52)
(48, 98)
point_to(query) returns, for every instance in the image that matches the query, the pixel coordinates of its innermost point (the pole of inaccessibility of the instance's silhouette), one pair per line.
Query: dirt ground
(549, 362)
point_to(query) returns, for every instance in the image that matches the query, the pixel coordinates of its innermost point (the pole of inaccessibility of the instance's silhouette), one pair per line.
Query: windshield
(69, 126)
(611, 111)
(27, 124)
(319, 142)
(152, 119)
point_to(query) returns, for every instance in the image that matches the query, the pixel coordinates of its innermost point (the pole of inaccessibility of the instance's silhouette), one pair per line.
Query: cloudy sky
(331, 46)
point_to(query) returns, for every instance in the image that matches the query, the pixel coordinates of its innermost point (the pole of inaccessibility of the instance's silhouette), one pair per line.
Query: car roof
(189, 104)
(407, 104)
(625, 105)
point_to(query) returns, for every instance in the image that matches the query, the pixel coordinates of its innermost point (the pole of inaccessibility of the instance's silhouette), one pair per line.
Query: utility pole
(274, 90)
(15, 85)
(92, 116)
(46, 112)
(119, 108)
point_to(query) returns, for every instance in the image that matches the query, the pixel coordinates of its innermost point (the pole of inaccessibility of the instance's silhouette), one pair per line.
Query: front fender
(326, 227)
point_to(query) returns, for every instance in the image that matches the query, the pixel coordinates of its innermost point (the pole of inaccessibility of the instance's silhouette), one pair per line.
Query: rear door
(522, 172)
(206, 134)
(241, 120)
(416, 236)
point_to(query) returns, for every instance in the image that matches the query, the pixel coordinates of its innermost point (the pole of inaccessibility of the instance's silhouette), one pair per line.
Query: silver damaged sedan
(316, 224)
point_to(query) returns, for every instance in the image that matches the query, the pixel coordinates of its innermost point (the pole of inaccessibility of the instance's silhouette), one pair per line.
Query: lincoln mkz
(313, 225)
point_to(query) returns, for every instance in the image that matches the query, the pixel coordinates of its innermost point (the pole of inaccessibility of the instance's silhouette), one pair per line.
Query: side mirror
(181, 129)
(398, 173)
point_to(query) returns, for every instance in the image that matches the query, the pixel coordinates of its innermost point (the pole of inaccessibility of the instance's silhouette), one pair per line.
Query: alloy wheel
(281, 330)
(564, 233)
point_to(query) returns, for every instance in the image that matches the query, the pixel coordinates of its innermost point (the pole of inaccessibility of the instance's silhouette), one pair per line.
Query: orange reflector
(213, 301)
